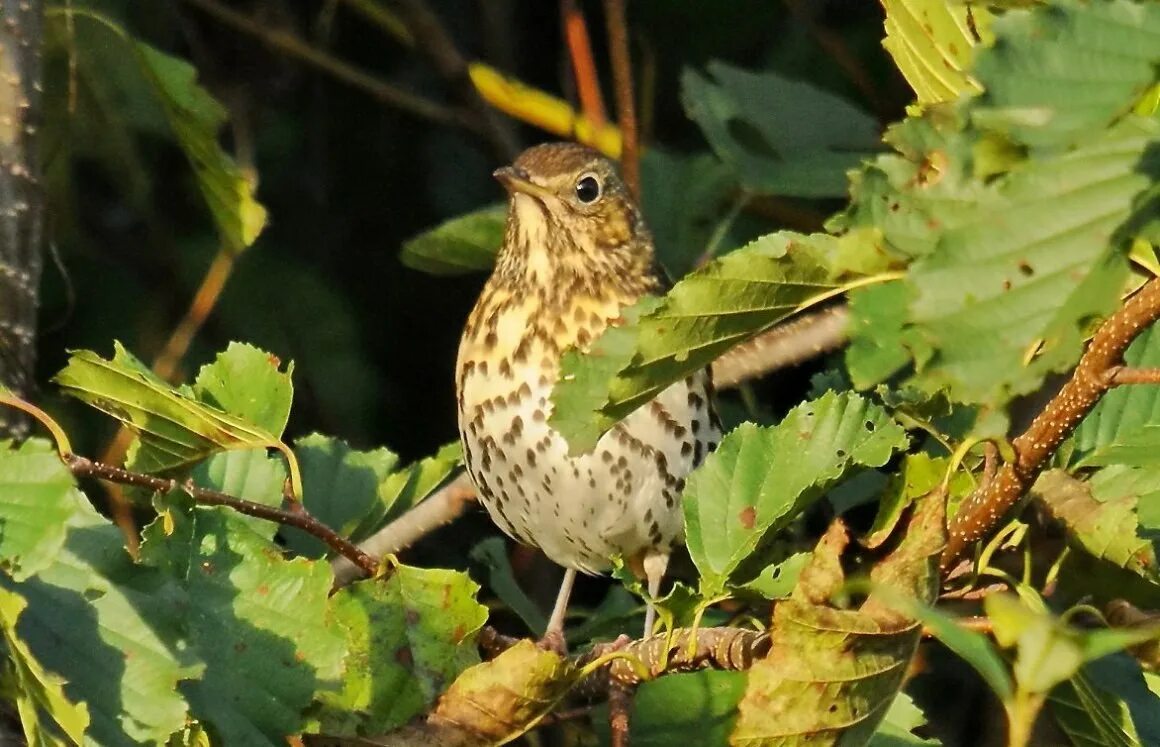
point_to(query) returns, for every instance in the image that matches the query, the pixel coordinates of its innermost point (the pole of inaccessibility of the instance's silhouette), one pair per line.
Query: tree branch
(21, 199)
(1121, 375)
(787, 344)
(1096, 372)
(440, 508)
(299, 517)
(614, 15)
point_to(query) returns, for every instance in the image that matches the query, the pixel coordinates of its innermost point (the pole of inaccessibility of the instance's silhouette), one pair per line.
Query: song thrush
(575, 252)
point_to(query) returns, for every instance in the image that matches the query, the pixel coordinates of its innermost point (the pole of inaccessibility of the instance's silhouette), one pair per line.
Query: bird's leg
(553, 639)
(654, 572)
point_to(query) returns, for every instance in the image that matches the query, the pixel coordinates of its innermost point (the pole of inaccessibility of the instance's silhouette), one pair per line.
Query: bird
(575, 253)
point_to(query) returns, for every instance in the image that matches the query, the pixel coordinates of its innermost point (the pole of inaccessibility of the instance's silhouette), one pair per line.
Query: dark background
(346, 180)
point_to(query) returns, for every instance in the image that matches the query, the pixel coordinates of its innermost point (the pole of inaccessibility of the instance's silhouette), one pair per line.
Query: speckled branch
(21, 198)
(1099, 369)
(295, 517)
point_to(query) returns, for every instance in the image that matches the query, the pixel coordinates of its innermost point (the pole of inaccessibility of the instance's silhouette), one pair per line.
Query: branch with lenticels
(1100, 369)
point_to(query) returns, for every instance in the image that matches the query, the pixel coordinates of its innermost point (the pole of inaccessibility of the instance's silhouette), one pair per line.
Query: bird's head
(571, 214)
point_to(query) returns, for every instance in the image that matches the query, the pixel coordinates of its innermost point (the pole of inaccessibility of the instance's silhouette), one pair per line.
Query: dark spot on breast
(531, 458)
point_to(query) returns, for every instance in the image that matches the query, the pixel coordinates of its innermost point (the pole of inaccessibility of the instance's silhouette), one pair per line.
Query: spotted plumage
(575, 253)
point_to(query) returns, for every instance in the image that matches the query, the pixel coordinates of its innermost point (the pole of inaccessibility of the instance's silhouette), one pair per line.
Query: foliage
(986, 234)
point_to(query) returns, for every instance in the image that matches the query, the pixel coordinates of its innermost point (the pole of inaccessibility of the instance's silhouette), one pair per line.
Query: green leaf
(1059, 75)
(919, 475)
(781, 136)
(831, 674)
(461, 245)
(107, 627)
(583, 388)
(1124, 427)
(174, 428)
(40, 698)
(879, 345)
(249, 474)
(1107, 529)
(340, 488)
(402, 489)
(1107, 704)
(698, 708)
(777, 580)
(38, 497)
(1047, 650)
(901, 720)
(492, 554)
(249, 383)
(722, 304)
(195, 118)
(261, 632)
(931, 42)
(761, 478)
(411, 636)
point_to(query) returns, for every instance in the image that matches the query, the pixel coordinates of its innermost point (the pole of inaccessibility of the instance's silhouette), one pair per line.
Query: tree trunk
(21, 199)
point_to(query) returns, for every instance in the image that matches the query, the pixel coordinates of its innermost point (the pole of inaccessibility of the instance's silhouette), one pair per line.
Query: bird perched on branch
(575, 253)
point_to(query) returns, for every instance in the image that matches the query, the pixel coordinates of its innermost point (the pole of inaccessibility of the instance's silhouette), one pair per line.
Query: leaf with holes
(831, 674)
(411, 636)
(759, 479)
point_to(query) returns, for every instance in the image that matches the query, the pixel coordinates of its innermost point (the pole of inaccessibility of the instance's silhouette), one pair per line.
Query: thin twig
(433, 41)
(295, 48)
(381, 17)
(583, 63)
(614, 15)
(788, 344)
(1122, 375)
(619, 708)
(299, 518)
(1095, 373)
(441, 508)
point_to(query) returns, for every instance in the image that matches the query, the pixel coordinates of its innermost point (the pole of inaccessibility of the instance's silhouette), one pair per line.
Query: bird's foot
(553, 641)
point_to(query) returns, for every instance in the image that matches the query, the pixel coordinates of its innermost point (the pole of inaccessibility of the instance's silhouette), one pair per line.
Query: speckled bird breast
(623, 498)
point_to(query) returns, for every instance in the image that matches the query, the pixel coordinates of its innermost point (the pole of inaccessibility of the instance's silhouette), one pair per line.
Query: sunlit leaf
(931, 42)
(720, 305)
(1108, 529)
(1107, 704)
(249, 383)
(761, 478)
(174, 428)
(38, 496)
(831, 674)
(196, 118)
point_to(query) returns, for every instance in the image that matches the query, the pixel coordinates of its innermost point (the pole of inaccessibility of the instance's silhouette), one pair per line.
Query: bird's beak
(516, 180)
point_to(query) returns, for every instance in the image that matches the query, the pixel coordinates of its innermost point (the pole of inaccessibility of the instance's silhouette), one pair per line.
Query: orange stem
(583, 63)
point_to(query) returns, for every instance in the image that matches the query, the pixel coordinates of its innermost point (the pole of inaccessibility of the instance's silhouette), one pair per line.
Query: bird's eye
(588, 189)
